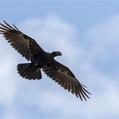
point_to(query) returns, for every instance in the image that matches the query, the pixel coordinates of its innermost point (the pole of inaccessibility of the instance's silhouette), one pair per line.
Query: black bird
(40, 59)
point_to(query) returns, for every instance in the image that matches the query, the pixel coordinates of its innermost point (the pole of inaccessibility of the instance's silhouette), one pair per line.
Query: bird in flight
(41, 60)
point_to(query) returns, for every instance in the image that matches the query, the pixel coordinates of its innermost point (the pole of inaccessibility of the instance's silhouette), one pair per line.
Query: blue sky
(87, 34)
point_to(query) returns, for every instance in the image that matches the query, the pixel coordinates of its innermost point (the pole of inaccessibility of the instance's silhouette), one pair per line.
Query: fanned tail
(29, 71)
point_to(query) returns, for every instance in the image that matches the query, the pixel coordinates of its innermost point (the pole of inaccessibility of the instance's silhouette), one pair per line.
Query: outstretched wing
(64, 77)
(25, 45)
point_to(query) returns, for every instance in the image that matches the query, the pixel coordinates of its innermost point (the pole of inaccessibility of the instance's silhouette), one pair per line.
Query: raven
(41, 59)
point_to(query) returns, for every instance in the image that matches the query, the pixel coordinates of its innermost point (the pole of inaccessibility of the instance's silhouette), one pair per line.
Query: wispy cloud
(44, 98)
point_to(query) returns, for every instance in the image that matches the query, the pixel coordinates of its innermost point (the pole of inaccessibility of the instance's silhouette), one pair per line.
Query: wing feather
(24, 44)
(64, 77)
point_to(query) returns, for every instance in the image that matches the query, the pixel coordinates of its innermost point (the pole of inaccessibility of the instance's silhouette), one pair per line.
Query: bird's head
(56, 53)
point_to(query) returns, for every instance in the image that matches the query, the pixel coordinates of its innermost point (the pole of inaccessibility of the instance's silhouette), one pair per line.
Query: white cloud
(102, 93)
(100, 64)
(53, 33)
(6, 70)
(102, 50)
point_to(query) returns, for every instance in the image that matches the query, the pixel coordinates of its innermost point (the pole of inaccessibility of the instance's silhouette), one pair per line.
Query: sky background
(87, 34)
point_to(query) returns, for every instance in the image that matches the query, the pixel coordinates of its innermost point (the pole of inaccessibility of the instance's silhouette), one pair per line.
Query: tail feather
(29, 71)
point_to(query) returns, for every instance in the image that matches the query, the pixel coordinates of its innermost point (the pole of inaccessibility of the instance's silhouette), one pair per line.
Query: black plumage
(40, 59)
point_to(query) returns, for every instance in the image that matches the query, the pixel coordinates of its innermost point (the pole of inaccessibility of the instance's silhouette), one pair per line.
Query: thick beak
(59, 53)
